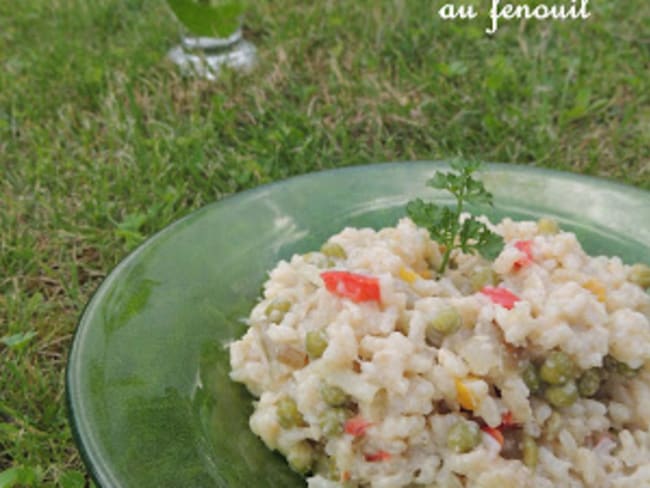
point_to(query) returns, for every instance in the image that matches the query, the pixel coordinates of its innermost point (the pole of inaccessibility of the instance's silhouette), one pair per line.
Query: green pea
(446, 322)
(332, 420)
(463, 436)
(277, 309)
(333, 250)
(482, 277)
(326, 467)
(558, 368)
(613, 365)
(316, 342)
(301, 457)
(530, 375)
(625, 370)
(333, 395)
(288, 414)
(547, 226)
(530, 452)
(563, 395)
(640, 275)
(589, 382)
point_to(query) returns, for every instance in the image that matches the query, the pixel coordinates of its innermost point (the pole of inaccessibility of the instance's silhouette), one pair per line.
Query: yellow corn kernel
(597, 288)
(464, 396)
(408, 275)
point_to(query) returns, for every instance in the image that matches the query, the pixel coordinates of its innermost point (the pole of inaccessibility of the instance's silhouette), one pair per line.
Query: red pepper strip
(507, 420)
(526, 248)
(501, 296)
(345, 476)
(356, 287)
(356, 426)
(495, 433)
(378, 456)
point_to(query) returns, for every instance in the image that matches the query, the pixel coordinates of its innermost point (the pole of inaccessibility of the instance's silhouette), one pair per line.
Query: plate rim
(101, 476)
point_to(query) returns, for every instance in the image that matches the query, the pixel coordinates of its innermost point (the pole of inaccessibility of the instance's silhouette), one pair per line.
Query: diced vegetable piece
(333, 395)
(597, 288)
(501, 296)
(640, 275)
(288, 414)
(494, 433)
(527, 248)
(482, 277)
(562, 395)
(507, 420)
(377, 456)
(333, 250)
(530, 375)
(547, 226)
(356, 287)
(589, 382)
(332, 421)
(558, 368)
(408, 275)
(315, 343)
(301, 457)
(356, 426)
(530, 452)
(447, 321)
(463, 436)
(277, 309)
(464, 396)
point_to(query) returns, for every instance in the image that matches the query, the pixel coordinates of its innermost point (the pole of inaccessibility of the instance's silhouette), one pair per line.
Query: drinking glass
(211, 37)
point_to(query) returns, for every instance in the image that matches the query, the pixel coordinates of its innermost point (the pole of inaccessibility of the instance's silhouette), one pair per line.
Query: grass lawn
(102, 142)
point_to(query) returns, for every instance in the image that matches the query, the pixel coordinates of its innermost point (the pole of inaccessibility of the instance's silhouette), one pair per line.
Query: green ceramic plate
(150, 401)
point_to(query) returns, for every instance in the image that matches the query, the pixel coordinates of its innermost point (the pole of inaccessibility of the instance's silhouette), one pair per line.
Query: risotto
(370, 370)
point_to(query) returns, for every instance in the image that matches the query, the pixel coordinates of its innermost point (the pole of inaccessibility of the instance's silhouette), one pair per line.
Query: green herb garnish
(443, 223)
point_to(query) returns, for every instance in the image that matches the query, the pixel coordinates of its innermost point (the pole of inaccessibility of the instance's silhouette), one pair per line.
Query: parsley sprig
(443, 223)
